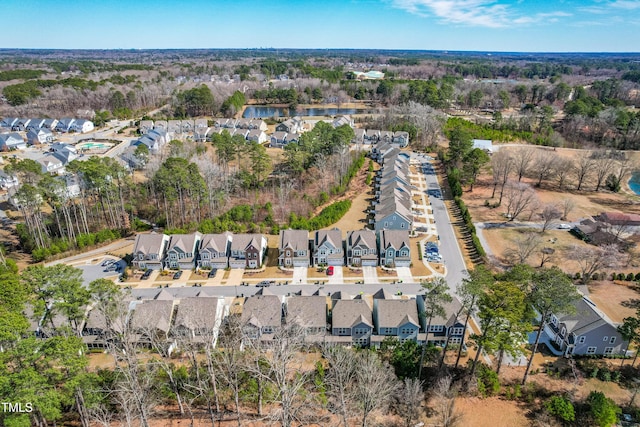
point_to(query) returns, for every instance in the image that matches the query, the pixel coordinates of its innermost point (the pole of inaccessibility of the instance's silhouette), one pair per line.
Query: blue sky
(494, 25)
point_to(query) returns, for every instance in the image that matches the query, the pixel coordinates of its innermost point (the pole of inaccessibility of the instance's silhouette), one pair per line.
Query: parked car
(263, 284)
(107, 262)
(564, 226)
(112, 267)
(177, 275)
(212, 273)
(330, 270)
(146, 274)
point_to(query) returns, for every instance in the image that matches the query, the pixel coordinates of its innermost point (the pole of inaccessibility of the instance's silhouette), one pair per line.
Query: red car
(330, 270)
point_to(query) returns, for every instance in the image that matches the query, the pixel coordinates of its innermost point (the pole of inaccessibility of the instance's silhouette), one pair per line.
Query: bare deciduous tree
(567, 206)
(502, 164)
(445, 396)
(520, 197)
(376, 384)
(285, 372)
(603, 166)
(550, 214)
(522, 158)
(544, 166)
(524, 245)
(584, 168)
(591, 259)
(339, 379)
(408, 400)
(564, 169)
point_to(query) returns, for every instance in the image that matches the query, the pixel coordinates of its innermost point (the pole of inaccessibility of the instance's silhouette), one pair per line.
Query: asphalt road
(449, 247)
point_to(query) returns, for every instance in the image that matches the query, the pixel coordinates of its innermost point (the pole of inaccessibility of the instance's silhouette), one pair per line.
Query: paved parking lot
(370, 275)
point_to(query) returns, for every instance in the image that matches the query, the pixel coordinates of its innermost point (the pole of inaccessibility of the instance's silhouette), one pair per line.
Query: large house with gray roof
(148, 251)
(293, 248)
(12, 141)
(396, 318)
(261, 315)
(182, 251)
(308, 313)
(199, 318)
(450, 327)
(151, 320)
(247, 250)
(327, 248)
(586, 332)
(352, 318)
(395, 248)
(362, 248)
(214, 250)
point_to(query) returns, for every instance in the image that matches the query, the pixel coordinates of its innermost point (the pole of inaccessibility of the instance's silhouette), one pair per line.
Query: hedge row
(466, 216)
(329, 215)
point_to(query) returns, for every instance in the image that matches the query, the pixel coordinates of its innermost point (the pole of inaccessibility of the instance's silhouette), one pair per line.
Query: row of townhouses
(188, 251)
(338, 318)
(286, 132)
(38, 131)
(360, 248)
(392, 208)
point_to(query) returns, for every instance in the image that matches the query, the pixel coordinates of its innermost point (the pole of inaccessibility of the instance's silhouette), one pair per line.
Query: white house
(39, 136)
(82, 126)
(12, 141)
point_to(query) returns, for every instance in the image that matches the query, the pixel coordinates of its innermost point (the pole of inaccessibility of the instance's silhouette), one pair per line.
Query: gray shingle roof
(307, 311)
(394, 238)
(394, 313)
(262, 310)
(297, 240)
(197, 313)
(154, 314)
(347, 313)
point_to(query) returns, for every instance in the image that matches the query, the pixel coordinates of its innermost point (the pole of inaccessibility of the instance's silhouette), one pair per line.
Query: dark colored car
(263, 284)
(146, 274)
(212, 273)
(177, 275)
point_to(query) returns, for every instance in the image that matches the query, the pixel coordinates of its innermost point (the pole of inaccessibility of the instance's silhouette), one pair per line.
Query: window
(360, 331)
(141, 256)
(287, 261)
(436, 328)
(173, 255)
(406, 331)
(608, 351)
(342, 331)
(591, 350)
(404, 253)
(205, 255)
(581, 339)
(612, 340)
(457, 331)
(356, 252)
(554, 320)
(386, 224)
(288, 253)
(455, 340)
(402, 225)
(605, 338)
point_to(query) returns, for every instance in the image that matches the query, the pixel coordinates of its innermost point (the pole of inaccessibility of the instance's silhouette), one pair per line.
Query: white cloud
(480, 13)
(625, 4)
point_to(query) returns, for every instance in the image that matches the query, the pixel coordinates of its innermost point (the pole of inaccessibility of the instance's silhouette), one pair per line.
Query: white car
(565, 226)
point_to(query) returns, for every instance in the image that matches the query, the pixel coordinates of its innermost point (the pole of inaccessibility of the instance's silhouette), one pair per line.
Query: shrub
(561, 408)
(603, 410)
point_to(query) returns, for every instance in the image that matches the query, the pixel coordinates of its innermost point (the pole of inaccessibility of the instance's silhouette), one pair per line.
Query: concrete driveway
(299, 275)
(235, 276)
(404, 274)
(370, 275)
(337, 277)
